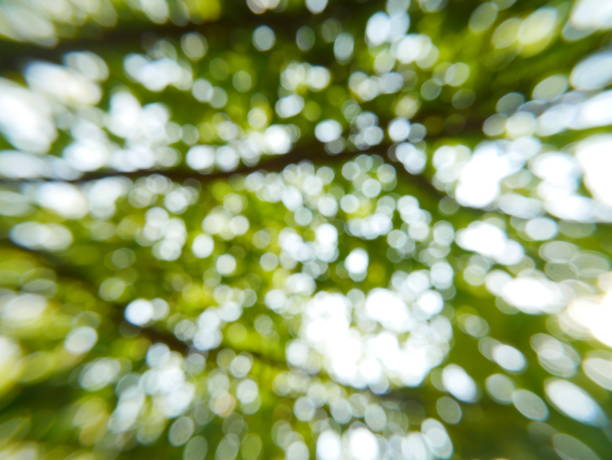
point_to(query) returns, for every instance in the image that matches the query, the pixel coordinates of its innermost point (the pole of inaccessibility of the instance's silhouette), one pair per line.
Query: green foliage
(285, 229)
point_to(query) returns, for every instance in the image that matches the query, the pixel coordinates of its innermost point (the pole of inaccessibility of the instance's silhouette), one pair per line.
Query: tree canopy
(305, 229)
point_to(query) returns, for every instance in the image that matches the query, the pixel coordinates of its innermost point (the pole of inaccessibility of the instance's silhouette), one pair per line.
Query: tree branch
(155, 335)
(131, 34)
(311, 152)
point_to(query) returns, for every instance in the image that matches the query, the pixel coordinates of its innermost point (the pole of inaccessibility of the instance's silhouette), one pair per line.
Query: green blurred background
(313, 229)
